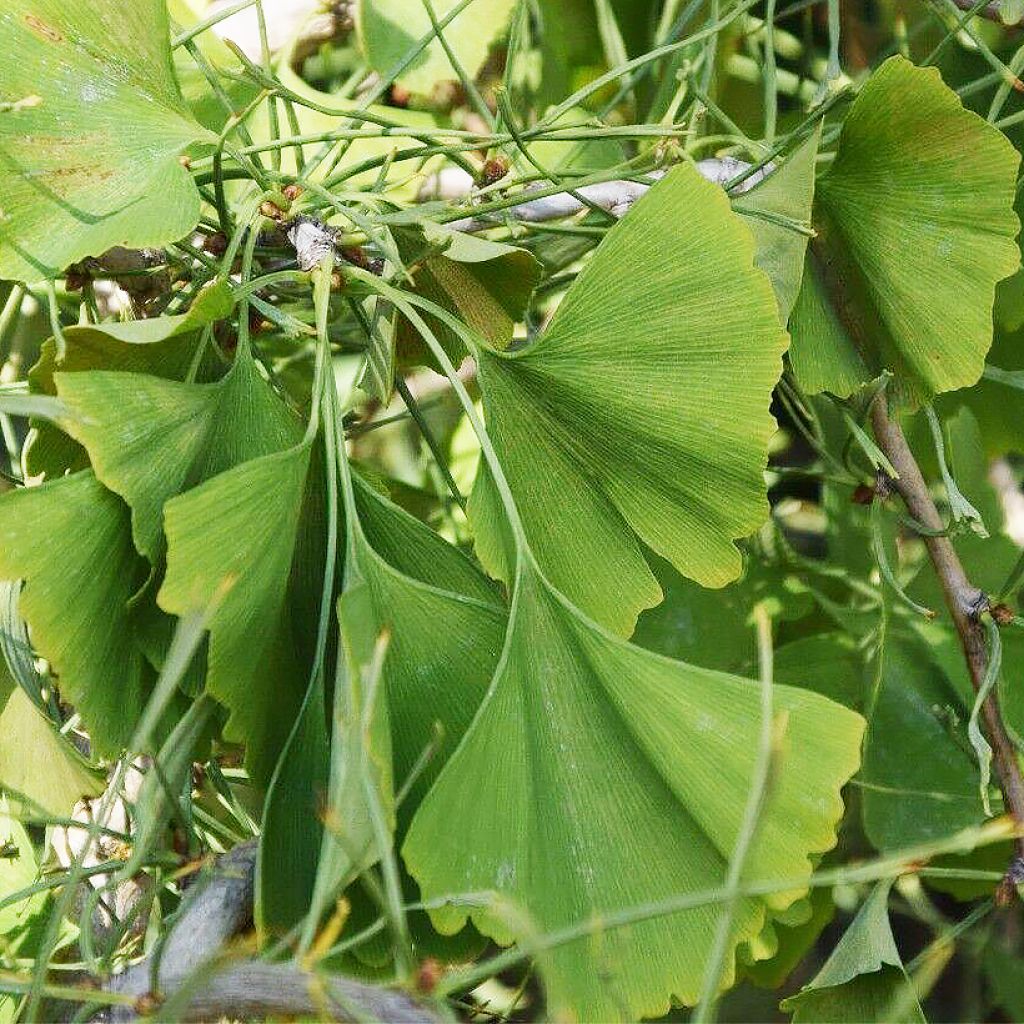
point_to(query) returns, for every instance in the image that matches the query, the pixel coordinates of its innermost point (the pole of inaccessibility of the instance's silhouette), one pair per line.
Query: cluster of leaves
(603, 711)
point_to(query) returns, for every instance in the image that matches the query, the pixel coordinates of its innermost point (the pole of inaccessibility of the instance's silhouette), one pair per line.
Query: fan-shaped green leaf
(584, 748)
(444, 630)
(713, 628)
(149, 439)
(486, 284)
(915, 228)
(163, 346)
(605, 427)
(293, 819)
(90, 133)
(772, 210)
(255, 529)
(16, 873)
(429, 676)
(76, 594)
(925, 786)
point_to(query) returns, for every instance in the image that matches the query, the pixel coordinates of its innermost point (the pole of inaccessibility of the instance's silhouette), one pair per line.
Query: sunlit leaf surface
(89, 146)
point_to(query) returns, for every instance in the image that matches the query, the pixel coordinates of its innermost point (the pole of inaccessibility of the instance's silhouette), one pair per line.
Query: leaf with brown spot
(93, 163)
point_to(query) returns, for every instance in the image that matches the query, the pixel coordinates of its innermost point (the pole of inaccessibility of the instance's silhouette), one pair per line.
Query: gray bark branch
(614, 197)
(210, 983)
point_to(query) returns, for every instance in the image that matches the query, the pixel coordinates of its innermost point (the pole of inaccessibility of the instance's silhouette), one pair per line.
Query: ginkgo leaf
(793, 940)
(605, 427)
(915, 227)
(37, 763)
(256, 529)
(586, 747)
(76, 181)
(164, 346)
(863, 980)
(429, 678)
(293, 827)
(396, 539)
(713, 628)
(926, 786)
(403, 583)
(76, 594)
(17, 873)
(390, 29)
(360, 798)
(149, 439)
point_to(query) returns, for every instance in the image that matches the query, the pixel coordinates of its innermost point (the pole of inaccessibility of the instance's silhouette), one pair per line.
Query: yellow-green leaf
(90, 133)
(614, 778)
(640, 417)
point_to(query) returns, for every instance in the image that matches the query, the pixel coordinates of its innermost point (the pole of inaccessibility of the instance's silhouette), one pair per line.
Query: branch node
(973, 602)
(1006, 893)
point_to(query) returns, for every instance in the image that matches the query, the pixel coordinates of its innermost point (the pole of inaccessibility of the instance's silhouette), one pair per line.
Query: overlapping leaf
(17, 873)
(76, 181)
(77, 589)
(774, 209)
(585, 748)
(915, 228)
(713, 628)
(150, 439)
(640, 417)
(864, 979)
(36, 762)
(926, 785)
(162, 347)
(443, 628)
(255, 529)
(486, 284)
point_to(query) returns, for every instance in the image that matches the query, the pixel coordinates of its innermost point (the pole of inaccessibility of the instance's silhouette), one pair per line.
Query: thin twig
(614, 197)
(965, 601)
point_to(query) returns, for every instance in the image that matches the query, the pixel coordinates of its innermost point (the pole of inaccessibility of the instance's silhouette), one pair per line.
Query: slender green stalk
(771, 78)
(756, 796)
(432, 443)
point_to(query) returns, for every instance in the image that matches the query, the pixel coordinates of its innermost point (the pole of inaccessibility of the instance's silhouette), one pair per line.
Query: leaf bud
(493, 170)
